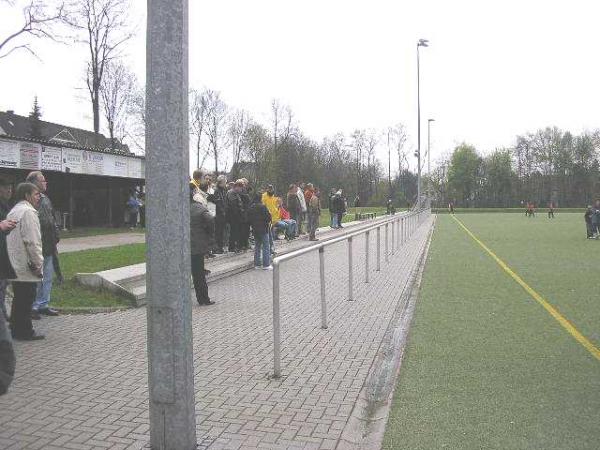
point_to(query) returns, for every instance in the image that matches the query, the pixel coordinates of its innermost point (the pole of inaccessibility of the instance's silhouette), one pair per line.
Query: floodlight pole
(421, 43)
(429, 156)
(170, 362)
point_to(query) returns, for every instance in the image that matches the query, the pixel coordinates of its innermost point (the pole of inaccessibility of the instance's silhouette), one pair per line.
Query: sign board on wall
(93, 163)
(134, 168)
(72, 160)
(52, 159)
(30, 156)
(9, 154)
(33, 156)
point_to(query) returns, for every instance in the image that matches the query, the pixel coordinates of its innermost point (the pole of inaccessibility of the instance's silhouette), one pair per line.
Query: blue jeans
(333, 220)
(292, 227)
(262, 247)
(3, 286)
(42, 298)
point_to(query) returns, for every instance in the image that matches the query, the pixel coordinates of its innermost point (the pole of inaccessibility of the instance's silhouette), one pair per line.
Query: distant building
(89, 177)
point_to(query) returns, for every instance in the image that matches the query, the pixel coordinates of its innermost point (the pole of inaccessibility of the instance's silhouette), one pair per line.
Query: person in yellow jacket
(270, 201)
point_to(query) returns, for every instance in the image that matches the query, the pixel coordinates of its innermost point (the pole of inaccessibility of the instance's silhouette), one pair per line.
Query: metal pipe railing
(402, 221)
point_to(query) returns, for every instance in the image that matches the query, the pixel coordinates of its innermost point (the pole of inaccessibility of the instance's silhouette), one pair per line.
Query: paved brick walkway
(84, 387)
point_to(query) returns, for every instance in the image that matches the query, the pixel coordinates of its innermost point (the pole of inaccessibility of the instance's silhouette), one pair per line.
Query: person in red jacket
(291, 224)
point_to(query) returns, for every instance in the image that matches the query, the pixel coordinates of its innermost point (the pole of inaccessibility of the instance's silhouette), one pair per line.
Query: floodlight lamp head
(423, 43)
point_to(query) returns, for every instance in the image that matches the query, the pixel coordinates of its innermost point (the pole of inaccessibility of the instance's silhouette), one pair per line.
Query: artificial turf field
(486, 366)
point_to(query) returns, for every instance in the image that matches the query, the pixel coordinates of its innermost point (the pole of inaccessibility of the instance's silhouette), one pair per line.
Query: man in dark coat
(246, 195)
(260, 219)
(201, 236)
(339, 207)
(219, 198)
(235, 215)
(7, 354)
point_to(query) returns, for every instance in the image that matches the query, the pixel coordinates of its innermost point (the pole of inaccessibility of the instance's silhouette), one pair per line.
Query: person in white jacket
(300, 194)
(24, 244)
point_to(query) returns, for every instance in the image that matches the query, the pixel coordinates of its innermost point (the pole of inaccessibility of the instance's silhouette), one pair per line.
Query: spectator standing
(24, 246)
(551, 210)
(219, 198)
(596, 219)
(260, 220)
(589, 213)
(201, 235)
(270, 201)
(50, 236)
(308, 193)
(245, 195)
(314, 211)
(235, 215)
(293, 203)
(6, 226)
(332, 214)
(339, 207)
(133, 208)
(300, 193)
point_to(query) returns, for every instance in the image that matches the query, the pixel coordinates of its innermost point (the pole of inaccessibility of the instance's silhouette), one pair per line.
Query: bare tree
(136, 112)
(106, 29)
(238, 127)
(117, 91)
(39, 22)
(198, 121)
(216, 124)
(397, 138)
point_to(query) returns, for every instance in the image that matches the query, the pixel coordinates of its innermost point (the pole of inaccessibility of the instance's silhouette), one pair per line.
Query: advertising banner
(72, 160)
(9, 154)
(30, 154)
(52, 159)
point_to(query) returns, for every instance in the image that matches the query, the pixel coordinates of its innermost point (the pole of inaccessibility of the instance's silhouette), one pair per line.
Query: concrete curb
(93, 310)
(366, 426)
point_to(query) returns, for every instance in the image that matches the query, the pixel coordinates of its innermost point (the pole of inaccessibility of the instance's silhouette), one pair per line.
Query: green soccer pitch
(494, 364)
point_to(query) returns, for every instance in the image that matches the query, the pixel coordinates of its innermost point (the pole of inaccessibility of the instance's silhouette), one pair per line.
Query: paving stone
(94, 367)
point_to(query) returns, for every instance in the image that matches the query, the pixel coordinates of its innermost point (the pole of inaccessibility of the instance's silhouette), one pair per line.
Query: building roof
(14, 125)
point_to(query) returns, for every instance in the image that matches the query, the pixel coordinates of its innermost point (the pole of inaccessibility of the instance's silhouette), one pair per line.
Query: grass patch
(486, 366)
(71, 294)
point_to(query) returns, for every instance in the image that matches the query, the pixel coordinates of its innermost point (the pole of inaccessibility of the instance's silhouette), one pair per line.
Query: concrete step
(130, 281)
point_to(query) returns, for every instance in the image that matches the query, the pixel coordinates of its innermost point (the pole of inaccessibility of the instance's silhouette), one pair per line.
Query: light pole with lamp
(421, 43)
(429, 156)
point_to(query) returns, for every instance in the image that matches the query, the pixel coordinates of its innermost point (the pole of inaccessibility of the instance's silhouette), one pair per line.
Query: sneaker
(257, 267)
(268, 268)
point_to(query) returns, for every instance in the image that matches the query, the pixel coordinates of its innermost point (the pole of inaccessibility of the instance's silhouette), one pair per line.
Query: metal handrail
(406, 223)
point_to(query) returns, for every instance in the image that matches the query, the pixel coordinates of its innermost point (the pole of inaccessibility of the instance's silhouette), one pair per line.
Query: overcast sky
(494, 69)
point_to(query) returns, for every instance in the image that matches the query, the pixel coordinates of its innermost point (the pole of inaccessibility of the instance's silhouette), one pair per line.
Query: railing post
(393, 226)
(398, 235)
(276, 323)
(322, 277)
(402, 232)
(386, 243)
(350, 280)
(378, 249)
(367, 257)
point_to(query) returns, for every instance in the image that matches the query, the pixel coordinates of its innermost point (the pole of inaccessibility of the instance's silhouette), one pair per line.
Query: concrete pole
(170, 362)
